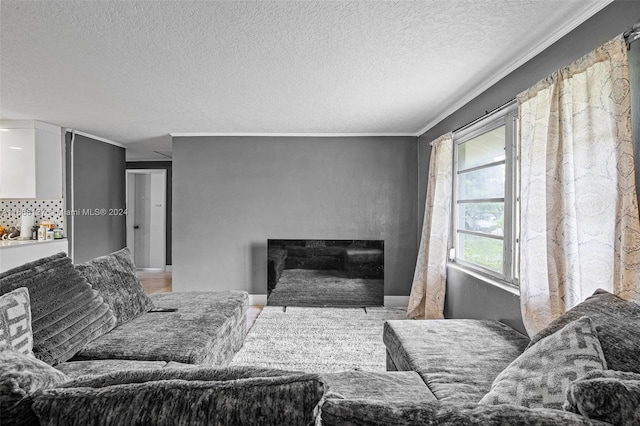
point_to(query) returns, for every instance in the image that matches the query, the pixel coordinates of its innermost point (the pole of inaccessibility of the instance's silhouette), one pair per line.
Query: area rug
(308, 287)
(318, 340)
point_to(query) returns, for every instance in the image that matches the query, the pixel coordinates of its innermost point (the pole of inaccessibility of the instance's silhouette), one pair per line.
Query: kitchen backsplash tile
(48, 210)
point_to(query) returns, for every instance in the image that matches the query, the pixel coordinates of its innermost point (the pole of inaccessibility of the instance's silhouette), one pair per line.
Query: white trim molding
(396, 301)
(98, 138)
(257, 299)
(290, 135)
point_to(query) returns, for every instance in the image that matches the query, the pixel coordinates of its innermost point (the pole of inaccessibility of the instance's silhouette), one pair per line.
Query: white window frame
(506, 116)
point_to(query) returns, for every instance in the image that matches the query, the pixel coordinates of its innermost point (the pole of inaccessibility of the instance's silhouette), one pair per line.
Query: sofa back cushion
(66, 312)
(617, 322)
(15, 320)
(200, 395)
(114, 276)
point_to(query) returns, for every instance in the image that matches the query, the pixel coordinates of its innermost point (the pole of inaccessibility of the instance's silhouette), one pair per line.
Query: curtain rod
(486, 113)
(633, 33)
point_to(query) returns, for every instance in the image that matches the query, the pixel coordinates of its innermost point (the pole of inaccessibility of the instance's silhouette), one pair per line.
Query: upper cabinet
(31, 160)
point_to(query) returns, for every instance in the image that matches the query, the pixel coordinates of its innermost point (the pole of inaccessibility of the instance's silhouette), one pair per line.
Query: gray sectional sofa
(584, 368)
(83, 344)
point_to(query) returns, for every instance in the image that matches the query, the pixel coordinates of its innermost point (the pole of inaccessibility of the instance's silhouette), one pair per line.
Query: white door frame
(162, 233)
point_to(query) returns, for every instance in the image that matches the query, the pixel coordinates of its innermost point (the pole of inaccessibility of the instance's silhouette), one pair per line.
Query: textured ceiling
(134, 71)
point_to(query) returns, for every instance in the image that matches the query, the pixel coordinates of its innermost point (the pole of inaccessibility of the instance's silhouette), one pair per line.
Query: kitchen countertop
(22, 243)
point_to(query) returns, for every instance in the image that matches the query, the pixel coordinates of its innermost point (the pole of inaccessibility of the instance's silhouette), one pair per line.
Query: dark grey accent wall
(468, 297)
(98, 183)
(161, 165)
(233, 193)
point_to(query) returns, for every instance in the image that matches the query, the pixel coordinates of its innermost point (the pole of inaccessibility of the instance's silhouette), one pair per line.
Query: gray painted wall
(98, 183)
(230, 194)
(468, 297)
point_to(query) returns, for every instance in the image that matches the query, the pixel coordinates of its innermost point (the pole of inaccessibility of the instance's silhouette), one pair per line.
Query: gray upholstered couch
(582, 369)
(83, 344)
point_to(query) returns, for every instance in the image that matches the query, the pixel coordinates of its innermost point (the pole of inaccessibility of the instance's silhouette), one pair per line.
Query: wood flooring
(161, 282)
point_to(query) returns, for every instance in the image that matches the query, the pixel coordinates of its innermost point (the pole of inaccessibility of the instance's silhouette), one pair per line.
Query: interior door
(146, 217)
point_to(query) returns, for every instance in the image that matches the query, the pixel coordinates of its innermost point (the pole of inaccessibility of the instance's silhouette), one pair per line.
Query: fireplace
(343, 273)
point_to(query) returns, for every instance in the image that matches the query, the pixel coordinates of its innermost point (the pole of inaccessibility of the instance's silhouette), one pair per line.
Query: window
(485, 206)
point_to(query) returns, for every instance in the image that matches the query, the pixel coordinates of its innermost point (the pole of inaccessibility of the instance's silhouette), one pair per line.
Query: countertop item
(22, 243)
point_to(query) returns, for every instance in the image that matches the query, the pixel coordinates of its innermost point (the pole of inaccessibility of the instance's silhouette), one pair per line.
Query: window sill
(502, 285)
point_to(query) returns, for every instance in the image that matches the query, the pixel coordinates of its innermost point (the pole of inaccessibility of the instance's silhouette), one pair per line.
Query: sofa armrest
(356, 412)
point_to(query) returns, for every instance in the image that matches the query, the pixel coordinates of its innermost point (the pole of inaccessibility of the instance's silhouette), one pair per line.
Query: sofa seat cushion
(193, 396)
(400, 386)
(457, 359)
(75, 369)
(206, 328)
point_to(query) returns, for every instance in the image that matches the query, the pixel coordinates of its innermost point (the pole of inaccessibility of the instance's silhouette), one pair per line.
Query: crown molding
(98, 138)
(286, 135)
(552, 38)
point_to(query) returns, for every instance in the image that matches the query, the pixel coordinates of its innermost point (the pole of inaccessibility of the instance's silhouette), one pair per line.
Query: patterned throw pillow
(540, 376)
(114, 276)
(610, 396)
(15, 321)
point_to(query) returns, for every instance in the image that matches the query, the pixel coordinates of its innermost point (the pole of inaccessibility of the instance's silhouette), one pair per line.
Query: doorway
(146, 218)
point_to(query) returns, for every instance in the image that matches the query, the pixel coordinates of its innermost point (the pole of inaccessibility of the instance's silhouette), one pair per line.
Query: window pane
(482, 217)
(483, 251)
(483, 183)
(486, 148)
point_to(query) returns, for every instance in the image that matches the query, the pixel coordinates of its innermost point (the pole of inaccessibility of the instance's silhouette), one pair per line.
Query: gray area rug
(308, 287)
(318, 340)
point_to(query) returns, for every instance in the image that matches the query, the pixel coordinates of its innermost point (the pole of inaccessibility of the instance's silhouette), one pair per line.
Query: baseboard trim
(389, 301)
(257, 299)
(396, 301)
(168, 268)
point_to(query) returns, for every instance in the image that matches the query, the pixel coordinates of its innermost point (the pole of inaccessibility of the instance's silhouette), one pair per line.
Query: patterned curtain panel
(427, 292)
(579, 211)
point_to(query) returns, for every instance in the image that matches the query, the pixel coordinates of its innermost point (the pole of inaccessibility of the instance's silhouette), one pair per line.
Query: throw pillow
(205, 395)
(540, 376)
(66, 312)
(20, 376)
(617, 322)
(612, 400)
(114, 276)
(15, 320)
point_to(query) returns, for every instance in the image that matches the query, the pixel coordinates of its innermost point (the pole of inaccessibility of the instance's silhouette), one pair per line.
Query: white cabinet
(17, 163)
(31, 160)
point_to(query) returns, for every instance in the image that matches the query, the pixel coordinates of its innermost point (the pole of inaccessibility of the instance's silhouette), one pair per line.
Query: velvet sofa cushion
(617, 322)
(458, 359)
(609, 395)
(352, 412)
(540, 377)
(237, 396)
(206, 328)
(66, 312)
(15, 320)
(20, 376)
(114, 276)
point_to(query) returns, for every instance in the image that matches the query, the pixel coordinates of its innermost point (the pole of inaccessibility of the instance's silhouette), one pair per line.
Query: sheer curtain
(579, 212)
(429, 281)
